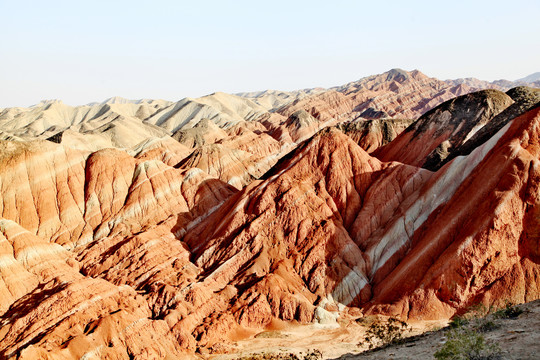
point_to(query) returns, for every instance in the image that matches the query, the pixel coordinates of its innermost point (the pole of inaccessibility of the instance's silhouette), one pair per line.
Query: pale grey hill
(530, 78)
(275, 99)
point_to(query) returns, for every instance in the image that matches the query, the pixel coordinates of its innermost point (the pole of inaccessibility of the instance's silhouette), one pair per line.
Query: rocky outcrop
(316, 164)
(525, 99)
(399, 94)
(253, 141)
(78, 197)
(50, 310)
(222, 109)
(285, 242)
(284, 116)
(235, 167)
(439, 132)
(327, 106)
(477, 245)
(123, 123)
(164, 149)
(108, 123)
(394, 94)
(302, 125)
(203, 133)
(275, 99)
(52, 304)
(372, 134)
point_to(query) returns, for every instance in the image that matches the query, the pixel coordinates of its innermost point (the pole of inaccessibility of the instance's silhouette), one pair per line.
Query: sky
(85, 51)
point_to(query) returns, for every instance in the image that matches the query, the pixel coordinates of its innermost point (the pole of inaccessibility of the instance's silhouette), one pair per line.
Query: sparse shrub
(508, 312)
(467, 344)
(367, 320)
(385, 333)
(458, 321)
(485, 325)
(478, 311)
(311, 355)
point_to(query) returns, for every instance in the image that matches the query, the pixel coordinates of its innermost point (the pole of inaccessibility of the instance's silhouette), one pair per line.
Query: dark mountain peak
(396, 74)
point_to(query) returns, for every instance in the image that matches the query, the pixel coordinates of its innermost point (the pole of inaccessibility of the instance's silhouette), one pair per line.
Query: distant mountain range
(529, 79)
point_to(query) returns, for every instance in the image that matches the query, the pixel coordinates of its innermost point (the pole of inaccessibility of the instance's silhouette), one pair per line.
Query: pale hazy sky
(84, 51)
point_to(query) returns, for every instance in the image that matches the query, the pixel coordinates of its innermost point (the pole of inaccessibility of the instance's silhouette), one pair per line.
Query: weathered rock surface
(327, 106)
(165, 149)
(51, 304)
(50, 310)
(399, 93)
(394, 94)
(301, 214)
(235, 167)
(285, 116)
(478, 244)
(106, 125)
(222, 109)
(372, 134)
(525, 98)
(275, 99)
(252, 140)
(440, 131)
(68, 196)
(204, 132)
(118, 254)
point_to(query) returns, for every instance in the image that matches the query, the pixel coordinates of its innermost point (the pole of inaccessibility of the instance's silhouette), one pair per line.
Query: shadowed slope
(54, 299)
(372, 134)
(481, 244)
(429, 140)
(525, 99)
(283, 243)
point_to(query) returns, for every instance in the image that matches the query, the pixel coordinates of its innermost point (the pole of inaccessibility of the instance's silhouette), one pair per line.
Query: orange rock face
(190, 242)
(51, 304)
(325, 106)
(479, 246)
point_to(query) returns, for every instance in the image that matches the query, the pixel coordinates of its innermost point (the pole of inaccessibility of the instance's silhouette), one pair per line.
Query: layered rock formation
(232, 218)
(275, 99)
(394, 94)
(53, 195)
(438, 132)
(50, 310)
(287, 117)
(398, 93)
(236, 167)
(525, 98)
(458, 126)
(477, 245)
(373, 134)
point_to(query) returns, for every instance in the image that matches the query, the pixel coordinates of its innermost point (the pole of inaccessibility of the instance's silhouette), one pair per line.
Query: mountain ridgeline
(156, 229)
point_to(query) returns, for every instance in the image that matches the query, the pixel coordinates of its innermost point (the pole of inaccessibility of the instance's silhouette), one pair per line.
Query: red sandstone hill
(149, 253)
(394, 94)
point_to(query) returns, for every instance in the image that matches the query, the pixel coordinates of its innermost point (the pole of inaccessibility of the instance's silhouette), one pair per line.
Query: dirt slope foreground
(515, 338)
(191, 241)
